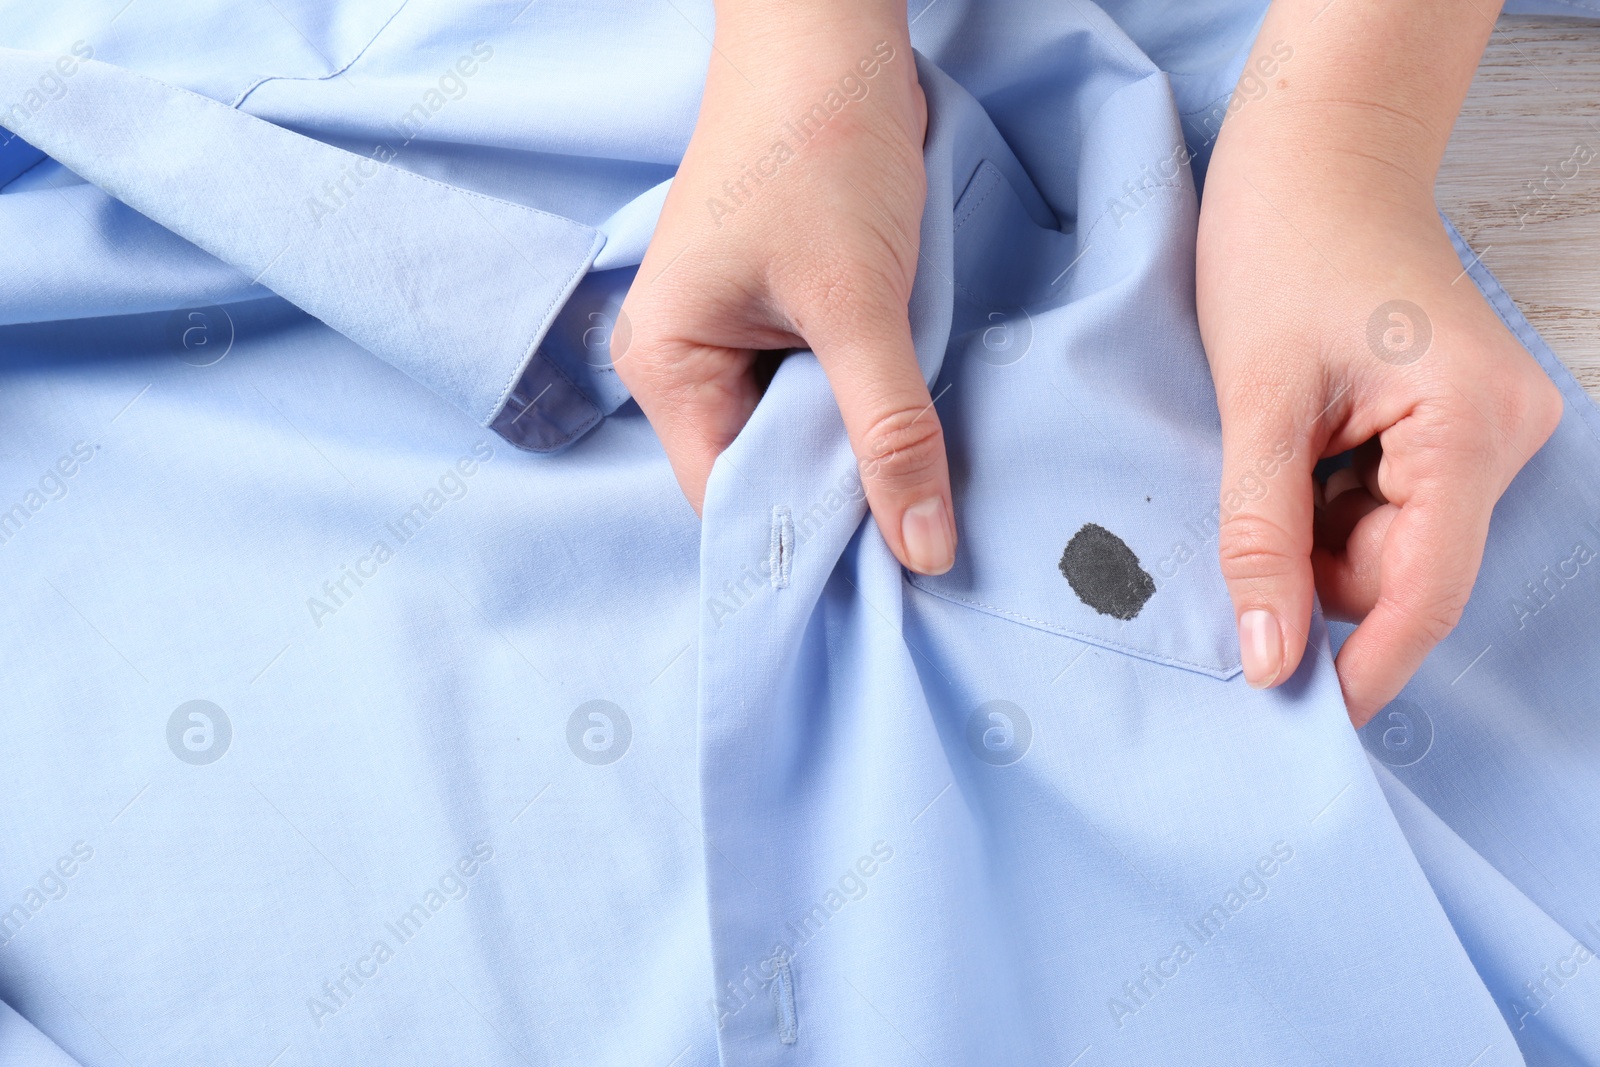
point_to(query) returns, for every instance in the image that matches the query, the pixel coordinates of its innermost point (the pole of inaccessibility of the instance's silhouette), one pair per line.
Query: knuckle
(1448, 435)
(1525, 403)
(1524, 409)
(844, 284)
(835, 295)
(1541, 410)
(662, 369)
(814, 298)
(1252, 546)
(641, 361)
(1432, 617)
(902, 447)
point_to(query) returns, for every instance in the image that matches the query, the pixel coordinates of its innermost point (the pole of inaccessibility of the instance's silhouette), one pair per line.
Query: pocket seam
(1221, 673)
(244, 94)
(989, 173)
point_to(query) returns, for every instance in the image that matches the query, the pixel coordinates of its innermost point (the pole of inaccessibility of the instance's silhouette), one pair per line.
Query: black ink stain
(1105, 573)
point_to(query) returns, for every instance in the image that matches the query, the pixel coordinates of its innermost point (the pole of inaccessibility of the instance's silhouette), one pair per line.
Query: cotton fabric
(373, 696)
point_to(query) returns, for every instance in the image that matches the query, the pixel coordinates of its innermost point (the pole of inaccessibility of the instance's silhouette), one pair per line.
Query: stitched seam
(1523, 330)
(466, 192)
(529, 349)
(44, 159)
(400, 171)
(556, 446)
(990, 172)
(1588, 9)
(574, 434)
(259, 82)
(999, 181)
(1065, 631)
(1211, 106)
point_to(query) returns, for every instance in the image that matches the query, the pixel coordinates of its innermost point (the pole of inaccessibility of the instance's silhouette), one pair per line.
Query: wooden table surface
(1533, 116)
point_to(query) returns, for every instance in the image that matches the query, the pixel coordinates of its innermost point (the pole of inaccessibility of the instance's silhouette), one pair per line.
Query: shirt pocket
(1082, 428)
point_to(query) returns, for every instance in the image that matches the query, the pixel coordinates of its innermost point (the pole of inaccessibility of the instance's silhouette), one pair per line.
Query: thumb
(1264, 536)
(697, 397)
(894, 430)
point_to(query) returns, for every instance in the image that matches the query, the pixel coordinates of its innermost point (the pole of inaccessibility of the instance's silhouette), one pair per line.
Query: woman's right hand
(794, 222)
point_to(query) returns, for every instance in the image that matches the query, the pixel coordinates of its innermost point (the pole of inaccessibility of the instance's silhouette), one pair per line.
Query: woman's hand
(1336, 315)
(794, 222)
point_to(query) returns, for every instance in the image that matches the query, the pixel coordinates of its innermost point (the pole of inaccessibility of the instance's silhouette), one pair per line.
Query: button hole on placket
(783, 997)
(782, 556)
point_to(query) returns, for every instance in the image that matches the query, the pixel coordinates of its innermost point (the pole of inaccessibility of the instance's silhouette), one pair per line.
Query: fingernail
(930, 542)
(1340, 482)
(1260, 647)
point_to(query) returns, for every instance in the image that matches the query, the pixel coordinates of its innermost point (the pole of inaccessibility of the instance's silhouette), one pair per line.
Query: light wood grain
(1533, 114)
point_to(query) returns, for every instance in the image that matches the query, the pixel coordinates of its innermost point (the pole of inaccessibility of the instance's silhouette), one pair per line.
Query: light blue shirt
(371, 694)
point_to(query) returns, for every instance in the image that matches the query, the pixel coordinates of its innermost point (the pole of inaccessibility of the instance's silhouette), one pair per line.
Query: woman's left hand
(1336, 316)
